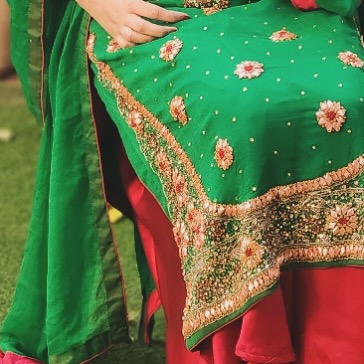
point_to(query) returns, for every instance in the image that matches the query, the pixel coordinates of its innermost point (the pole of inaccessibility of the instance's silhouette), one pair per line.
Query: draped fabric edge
(103, 342)
(32, 72)
(153, 303)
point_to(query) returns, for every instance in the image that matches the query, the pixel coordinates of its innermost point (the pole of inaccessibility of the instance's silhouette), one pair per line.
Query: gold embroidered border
(257, 285)
(232, 253)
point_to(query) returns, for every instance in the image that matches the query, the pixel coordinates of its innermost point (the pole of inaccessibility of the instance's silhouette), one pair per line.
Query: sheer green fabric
(69, 303)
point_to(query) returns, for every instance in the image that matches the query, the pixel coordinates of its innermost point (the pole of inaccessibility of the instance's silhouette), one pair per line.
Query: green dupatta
(69, 301)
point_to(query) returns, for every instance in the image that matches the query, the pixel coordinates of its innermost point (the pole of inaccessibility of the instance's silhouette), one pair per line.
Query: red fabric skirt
(316, 316)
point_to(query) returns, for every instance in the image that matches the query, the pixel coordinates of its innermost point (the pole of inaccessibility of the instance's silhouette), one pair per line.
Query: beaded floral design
(251, 254)
(112, 46)
(343, 220)
(169, 50)
(177, 109)
(249, 69)
(135, 120)
(182, 238)
(351, 59)
(331, 115)
(223, 154)
(211, 10)
(196, 221)
(207, 4)
(163, 163)
(283, 35)
(179, 187)
(233, 253)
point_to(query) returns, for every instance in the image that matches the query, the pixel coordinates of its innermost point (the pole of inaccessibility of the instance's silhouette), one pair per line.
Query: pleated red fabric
(316, 316)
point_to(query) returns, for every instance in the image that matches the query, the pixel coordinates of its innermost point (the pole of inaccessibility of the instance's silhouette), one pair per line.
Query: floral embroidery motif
(230, 254)
(113, 46)
(283, 36)
(251, 253)
(195, 220)
(182, 238)
(163, 163)
(343, 220)
(135, 120)
(170, 49)
(177, 109)
(351, 59)
(331, 115)
(249, 69)
(223, 154)
(179, 187)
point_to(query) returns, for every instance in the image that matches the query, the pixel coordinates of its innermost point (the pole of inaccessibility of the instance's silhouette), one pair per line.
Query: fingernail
(172, 29)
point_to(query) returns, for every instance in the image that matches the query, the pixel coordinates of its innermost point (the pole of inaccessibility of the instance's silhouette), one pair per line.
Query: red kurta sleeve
(305, 4)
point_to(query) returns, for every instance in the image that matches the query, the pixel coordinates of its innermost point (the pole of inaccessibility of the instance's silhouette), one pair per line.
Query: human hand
(124, 19)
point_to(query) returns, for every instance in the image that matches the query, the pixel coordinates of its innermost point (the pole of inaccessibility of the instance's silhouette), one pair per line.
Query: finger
(156, 12)
(143, 26)
(130, 36)
(122, 43)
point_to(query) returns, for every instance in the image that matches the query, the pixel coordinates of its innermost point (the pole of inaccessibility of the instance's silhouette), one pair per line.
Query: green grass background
(17, 172)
